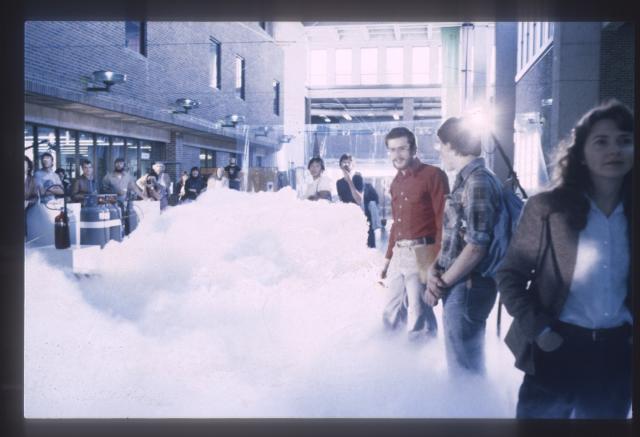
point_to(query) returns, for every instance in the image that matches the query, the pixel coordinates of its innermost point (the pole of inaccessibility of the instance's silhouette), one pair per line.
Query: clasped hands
(435, 288)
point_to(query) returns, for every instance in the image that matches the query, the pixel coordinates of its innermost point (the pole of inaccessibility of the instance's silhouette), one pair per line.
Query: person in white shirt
(320, 186)
(566, 278)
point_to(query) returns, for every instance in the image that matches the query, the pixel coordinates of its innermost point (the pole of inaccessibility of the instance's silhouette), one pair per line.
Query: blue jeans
(466, 306)
(404, 299)
(584, 378)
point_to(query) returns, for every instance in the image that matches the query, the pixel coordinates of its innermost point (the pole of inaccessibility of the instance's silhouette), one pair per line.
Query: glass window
(28, 141)
(102, 154)
(132, 157)
(521, 39)
(117, 151)
(318, 67)
(150, 152)
(394, 65)
(369, 66)
(214, 64)
(440, 64)
(343, 66)
(47, 143)
(86, 147)
(541, 33)
(240, 67)
(207, 158)
(136, 36)
(420, 65)
(68, 152)
(276, 97)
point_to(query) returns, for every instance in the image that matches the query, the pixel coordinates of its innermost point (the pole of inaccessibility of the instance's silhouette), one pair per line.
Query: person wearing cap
(417, 201)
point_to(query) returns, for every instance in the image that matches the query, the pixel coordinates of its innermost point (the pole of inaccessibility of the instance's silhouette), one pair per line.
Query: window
(276, 97)
(136, 36)
(117, 150)
(533, 39)
(207, 158)
(240, 77)
(318, 67)
(102, 152)
(440, 64)
(395, 61)
(131, 158)
(47, 142)
(150, 152)
(343, 66)
(214, 64)
(369, 66)
(70, 147)
(420, 66)
(67, 140)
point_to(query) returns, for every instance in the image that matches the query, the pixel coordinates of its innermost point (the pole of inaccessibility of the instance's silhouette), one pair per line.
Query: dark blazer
(533, 310)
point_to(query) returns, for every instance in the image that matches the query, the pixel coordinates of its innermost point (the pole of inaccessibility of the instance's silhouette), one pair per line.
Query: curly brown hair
(572, 178)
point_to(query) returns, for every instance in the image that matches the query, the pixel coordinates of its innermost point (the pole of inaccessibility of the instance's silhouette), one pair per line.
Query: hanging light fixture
(108, 78)
(186, 105)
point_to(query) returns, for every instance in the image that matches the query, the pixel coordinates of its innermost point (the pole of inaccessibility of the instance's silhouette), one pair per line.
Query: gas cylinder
(61, 231)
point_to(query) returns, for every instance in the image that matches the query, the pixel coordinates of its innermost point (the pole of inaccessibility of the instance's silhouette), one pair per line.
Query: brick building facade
(163, 62)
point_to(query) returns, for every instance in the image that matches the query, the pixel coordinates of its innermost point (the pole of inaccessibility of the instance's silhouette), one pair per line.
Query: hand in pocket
(549, 341)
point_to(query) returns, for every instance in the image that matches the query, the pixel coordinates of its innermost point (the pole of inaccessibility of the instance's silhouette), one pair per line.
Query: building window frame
(240, 67)
(344, 70)
(368, 77)
(138, 34)
(276, 97)
(215, 63)
(534, 39)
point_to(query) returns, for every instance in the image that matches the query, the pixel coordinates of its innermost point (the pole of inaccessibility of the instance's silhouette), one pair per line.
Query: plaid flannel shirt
(470, 213)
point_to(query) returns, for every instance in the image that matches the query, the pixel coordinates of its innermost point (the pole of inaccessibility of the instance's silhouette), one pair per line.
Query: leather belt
(578, 332)
(415, 242)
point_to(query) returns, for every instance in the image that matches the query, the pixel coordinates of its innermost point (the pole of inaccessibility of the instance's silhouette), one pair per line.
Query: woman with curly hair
(566, 278)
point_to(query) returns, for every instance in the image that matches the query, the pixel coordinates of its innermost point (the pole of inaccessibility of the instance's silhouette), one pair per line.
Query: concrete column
(576, 75)
(506, 36)
(407, 108)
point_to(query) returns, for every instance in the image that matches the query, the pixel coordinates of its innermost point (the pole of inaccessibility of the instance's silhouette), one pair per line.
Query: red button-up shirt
(417, 204)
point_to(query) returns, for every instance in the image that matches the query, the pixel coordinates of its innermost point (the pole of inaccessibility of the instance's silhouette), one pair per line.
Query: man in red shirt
(417, 201)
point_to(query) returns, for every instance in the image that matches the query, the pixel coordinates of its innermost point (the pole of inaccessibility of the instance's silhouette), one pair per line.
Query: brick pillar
(174, 156)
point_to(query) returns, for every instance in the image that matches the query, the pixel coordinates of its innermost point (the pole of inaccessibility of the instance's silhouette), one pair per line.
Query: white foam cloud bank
(240, 305)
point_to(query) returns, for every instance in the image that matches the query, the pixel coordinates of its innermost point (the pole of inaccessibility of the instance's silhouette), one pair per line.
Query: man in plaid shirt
(471, 212)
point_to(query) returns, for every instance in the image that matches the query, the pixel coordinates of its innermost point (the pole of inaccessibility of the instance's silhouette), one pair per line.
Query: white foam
(240, 305)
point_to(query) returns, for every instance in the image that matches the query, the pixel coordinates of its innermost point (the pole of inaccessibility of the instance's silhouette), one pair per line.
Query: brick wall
(617, 64)
(60, 53)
